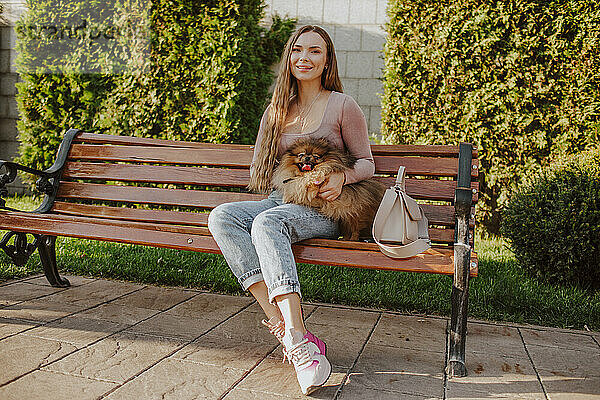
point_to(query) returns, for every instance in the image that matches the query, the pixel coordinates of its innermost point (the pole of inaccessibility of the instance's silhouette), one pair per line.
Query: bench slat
(169, 155)
(144, 195)
(398, 150)
(417, 150)
(185, 229)
(436, 214)
(432, 166)
(433, 261)
(430, 189)
(158, 174)
(157, 219)
(420, 189)
(447, 167)
(214, 177)
(437, 235)
(99, 138)
(132, 214)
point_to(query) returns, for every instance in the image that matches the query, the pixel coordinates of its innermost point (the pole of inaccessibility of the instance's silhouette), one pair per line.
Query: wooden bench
(158, 193)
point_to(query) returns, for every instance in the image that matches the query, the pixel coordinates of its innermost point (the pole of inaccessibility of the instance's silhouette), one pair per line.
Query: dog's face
(307, 154)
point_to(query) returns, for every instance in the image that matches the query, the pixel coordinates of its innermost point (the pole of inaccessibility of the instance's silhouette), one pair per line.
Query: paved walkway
(104, 339)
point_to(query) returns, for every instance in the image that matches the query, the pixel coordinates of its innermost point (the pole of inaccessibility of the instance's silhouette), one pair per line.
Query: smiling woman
(256, 236)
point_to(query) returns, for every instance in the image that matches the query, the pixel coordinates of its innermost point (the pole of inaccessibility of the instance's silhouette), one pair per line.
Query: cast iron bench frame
(99, 168)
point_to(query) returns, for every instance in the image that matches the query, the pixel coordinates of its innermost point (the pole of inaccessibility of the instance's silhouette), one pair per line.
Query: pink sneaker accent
(312, 367)
(320, 344)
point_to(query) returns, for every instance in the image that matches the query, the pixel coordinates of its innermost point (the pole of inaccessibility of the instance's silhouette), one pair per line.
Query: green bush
(518, 78)
(208, 77)
(553, 223)
(204, 75)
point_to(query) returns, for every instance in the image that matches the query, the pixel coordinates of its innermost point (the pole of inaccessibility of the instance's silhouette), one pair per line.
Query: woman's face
(308, 57)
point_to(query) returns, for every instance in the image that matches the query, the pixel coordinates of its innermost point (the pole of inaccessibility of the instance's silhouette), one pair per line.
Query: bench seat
(158, 193)
(437, 260)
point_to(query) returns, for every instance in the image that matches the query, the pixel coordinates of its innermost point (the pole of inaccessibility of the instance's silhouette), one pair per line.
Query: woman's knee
(266, 222)
(219, 216)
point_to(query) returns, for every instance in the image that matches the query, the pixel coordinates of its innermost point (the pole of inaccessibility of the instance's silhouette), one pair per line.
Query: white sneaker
(276, 327)
(312, 367)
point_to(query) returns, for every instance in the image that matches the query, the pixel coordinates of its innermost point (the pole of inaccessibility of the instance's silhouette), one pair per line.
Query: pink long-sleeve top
(344, 126)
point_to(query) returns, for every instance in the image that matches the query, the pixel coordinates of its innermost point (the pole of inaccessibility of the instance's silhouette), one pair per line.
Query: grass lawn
(501, 292)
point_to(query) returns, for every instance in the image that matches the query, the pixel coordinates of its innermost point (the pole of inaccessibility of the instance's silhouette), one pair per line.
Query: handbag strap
(401, 179)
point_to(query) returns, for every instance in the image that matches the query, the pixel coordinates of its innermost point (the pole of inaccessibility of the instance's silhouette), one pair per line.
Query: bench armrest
(47, 183)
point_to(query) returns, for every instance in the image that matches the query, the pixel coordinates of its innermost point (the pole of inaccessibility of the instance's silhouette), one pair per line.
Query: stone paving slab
(74, 280)
(119, 313)
(343, 317)
(178, 380)
(246, 394)
(39, 310)
(355, 392)
(155, 298)
(9, 327)
(209, 305)
(116, 358)
(75, 330)
(495, 339)
(216, 350)
(45, 385)
(21, 354)
(566, 363)
(410, 333)
(348, 342)
(10, 294)
(254, 330)
(496, 376)
(104, 339)
(562, 340)
(400, 370)
(570, 388)
(273, 377)
(93, 293)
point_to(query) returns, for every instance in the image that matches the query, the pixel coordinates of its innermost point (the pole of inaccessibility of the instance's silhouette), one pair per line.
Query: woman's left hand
(332, 187)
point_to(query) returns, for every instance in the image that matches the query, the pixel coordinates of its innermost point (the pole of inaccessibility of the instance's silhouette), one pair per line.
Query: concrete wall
(357, 30)
(356, 27)
(9, 144)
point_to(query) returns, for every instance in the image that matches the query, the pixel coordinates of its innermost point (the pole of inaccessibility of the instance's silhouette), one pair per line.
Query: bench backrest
(161, 181)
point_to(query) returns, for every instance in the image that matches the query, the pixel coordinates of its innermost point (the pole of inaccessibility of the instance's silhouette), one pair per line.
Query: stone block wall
(357, 30)
(9, 144)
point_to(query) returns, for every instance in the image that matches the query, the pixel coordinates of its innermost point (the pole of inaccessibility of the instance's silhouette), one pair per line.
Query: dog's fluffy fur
(306, 166)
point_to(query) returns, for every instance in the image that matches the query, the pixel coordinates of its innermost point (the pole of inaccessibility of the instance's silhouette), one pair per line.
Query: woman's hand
(332, 187)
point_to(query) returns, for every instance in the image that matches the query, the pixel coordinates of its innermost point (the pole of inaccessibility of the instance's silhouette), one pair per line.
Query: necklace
(303, 113)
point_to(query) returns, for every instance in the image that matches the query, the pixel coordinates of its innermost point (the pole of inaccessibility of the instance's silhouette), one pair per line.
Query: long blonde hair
(286, 91)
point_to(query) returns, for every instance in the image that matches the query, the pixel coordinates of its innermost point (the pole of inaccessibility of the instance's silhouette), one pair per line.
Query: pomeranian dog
(307, 165)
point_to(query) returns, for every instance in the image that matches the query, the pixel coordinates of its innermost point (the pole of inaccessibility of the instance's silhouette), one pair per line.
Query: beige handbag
(400, 227)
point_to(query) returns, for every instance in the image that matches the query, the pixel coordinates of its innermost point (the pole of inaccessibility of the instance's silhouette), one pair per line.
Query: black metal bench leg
(458, 322)
(462, 265)
(46, 247)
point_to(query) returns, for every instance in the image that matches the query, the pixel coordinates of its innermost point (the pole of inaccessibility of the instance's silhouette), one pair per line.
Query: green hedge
(553, 223)
(520, 79)
(203, 77)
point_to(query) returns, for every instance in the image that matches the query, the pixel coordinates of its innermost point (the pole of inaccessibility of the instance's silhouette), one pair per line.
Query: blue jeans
(256, 239)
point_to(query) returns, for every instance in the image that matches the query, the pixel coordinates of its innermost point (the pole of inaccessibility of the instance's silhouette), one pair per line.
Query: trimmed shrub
(208, 78)
(205, 76)
(553, 223)
(518, 78)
